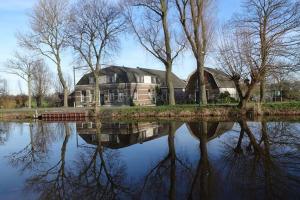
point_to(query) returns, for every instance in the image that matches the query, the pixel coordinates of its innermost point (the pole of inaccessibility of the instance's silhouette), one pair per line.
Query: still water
(150, 160)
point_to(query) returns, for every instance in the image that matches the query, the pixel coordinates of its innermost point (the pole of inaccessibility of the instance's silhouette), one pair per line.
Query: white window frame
(81, 97)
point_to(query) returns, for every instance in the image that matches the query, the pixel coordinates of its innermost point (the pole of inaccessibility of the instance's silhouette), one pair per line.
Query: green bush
(225, 97)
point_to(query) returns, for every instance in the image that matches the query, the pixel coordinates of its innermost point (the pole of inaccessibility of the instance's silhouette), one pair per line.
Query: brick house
(126, 86)
(216, 82)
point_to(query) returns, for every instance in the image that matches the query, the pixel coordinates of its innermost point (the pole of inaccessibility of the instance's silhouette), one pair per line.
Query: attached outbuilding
(216, 82)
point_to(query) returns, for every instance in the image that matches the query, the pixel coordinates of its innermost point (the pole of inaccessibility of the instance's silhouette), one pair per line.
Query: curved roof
(222, 80)
(129, 75)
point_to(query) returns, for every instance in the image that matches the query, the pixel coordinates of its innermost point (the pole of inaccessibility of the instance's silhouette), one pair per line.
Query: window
(110, 79)
(147, 79)
(142, 79)
(115, 78)
(91, 80)
(111, 97)
(121, 97)
(83, 95)
(153, 79)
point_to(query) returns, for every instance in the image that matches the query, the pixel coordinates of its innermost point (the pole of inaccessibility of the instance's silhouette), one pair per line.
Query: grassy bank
(170, 111)
(281, 108)
(178, 111)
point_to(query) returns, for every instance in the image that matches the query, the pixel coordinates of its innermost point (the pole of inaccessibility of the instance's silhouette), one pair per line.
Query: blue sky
(13, 18)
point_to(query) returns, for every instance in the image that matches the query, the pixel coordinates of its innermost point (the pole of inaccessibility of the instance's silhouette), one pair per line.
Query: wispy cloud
(14, 5)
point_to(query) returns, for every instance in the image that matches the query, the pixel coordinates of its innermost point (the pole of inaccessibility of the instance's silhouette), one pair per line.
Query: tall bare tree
(41, 81)
(272, 29)
(94, 31)
(259, 43)
(197, 23)
(22, 66)
(48, 21)
(151, 22)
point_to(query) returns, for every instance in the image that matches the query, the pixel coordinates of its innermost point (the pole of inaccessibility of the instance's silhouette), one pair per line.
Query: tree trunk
(29, 92)
(170, 86)
(66, 92)
(168, 64)
(262, 90)
(202, 52)
(38, 101)
(201, 84)
(62, 81)
(96, 93)
(243, 104)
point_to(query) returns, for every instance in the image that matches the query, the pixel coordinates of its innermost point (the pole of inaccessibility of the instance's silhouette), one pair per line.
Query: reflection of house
(124, 86)
(118, 135)
(214, 129)
(216, 82)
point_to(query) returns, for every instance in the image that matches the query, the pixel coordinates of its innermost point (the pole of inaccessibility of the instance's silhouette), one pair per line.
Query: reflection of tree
(163, 176)
(265, 161)
(100, 174)
(202, 180)
(35, 151)
(4, 132)
(53, 182)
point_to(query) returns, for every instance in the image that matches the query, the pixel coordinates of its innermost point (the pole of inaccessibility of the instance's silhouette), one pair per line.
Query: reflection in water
(35, 152)
(119, 135)
(100, 173)
(160, 181)
(52, 182)
(4, 132)
(262, 163)
(172, 161)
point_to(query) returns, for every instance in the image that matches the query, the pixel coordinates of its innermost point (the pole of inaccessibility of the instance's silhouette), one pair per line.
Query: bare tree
(197, 23)
(22, 66)
(48, 22)
(259, 43)
(271, 26)
(94, 31)
(3, 86)
(151, 22)
(41, 81)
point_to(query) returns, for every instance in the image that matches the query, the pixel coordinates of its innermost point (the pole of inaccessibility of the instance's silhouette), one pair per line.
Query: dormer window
(91, 80)
(113, 78)
(153, 79)
(141, 79)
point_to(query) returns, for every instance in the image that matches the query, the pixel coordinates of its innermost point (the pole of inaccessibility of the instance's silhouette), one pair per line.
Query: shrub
(225, 97)
(7, 102)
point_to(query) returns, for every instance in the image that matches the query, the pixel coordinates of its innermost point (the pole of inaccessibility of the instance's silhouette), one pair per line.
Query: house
(126, 86)
(216, 82)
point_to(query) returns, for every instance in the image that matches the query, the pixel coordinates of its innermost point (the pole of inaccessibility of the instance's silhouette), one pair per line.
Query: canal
(200, 159)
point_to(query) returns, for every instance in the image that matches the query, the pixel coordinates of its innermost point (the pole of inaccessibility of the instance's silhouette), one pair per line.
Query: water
(150, 160)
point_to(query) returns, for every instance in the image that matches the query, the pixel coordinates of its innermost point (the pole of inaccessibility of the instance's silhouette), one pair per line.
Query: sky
(14, 18)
